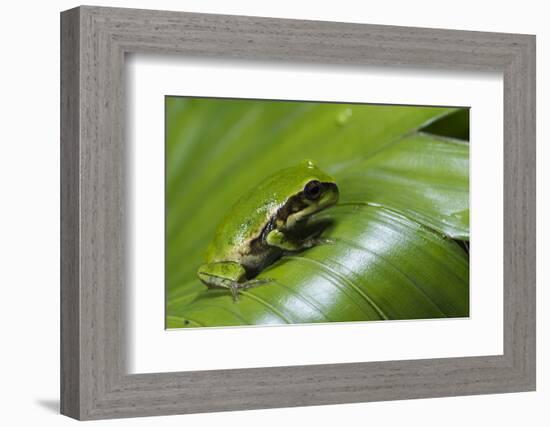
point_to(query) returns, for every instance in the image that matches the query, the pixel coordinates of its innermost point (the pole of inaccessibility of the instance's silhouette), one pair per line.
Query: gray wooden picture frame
(94, 381)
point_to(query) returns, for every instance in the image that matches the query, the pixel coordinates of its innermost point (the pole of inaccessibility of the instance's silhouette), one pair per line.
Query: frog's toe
(256, 282)
(234, 288)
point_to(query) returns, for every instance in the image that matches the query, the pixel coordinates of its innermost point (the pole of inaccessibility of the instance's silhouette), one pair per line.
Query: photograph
(282, 212)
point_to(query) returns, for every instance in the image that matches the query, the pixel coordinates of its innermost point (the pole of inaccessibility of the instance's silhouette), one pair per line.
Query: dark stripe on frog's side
(259, 250)
(297, 203)
(294, 204)
(258, 246)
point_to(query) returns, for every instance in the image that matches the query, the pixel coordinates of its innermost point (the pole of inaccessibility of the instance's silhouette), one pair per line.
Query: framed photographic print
(261, 213)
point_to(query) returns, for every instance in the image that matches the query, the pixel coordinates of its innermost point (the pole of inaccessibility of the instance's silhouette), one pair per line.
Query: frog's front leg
(227, 275)
(283, 241)
(288, 242)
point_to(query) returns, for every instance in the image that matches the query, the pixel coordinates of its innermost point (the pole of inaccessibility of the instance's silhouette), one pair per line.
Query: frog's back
(244, 222)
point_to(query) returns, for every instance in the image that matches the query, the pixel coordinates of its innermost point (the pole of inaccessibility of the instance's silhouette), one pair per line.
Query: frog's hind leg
(228, 275)
(224, 274)
(221, 274)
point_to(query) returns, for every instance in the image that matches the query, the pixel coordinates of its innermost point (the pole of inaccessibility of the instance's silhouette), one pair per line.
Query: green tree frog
(265, 223)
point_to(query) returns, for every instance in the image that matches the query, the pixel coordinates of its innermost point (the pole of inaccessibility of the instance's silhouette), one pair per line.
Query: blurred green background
(401, 228)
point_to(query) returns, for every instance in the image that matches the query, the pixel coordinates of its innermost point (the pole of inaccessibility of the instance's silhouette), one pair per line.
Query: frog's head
(314, 191)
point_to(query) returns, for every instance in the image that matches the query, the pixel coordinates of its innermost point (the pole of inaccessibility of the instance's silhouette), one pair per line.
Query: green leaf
(380, 266)
(455, 125)
(402, 194)
(421, 176)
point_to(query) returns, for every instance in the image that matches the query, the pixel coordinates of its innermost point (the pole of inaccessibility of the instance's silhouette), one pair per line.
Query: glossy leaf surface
(403, 196)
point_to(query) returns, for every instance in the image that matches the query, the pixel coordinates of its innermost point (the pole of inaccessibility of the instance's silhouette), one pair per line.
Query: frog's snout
(331, 194)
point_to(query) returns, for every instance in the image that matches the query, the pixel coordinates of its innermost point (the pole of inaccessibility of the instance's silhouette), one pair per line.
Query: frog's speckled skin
(240, 248)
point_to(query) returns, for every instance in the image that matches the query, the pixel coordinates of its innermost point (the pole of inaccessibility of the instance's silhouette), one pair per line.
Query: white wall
(29, 226)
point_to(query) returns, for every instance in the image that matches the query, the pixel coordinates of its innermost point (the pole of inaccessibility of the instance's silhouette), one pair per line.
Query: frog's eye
(313, 190)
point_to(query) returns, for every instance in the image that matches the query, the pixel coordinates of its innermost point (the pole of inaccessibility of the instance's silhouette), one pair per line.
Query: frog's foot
(256, 282)
(235, 287)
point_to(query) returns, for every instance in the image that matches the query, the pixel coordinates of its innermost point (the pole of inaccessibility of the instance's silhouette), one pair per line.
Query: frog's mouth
(328, 198)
